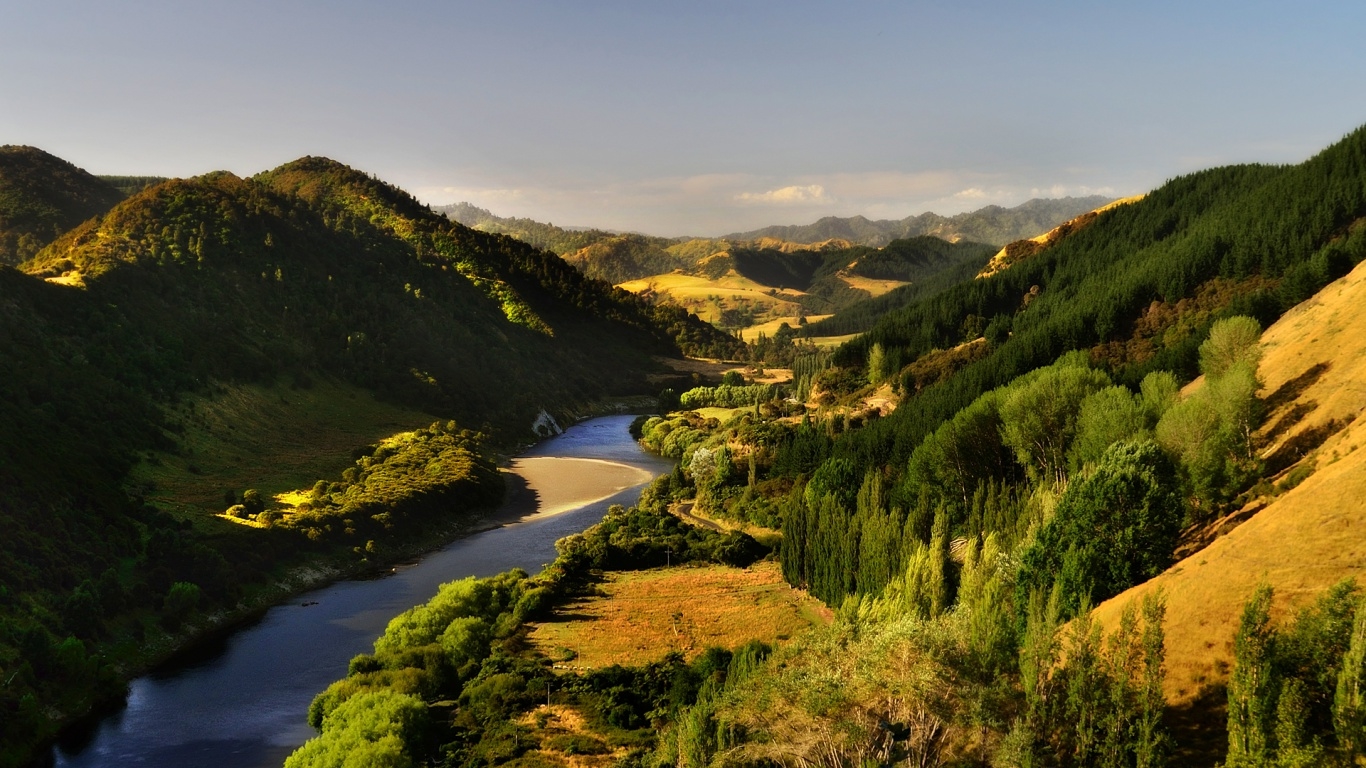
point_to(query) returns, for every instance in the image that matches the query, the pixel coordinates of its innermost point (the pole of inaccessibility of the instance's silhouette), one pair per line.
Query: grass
(872, 285)
(275, 439)
(1310, 536)
(722, 414)
(829, 342)
(565, 738)
(770, 328)
(643, 615)
(708, 298)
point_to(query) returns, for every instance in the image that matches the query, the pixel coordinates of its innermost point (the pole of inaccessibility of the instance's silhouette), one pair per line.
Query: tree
(1349, 701)
(252, 501)
(1110, 531)
(1107, 417)
(1039, 417)
(1232, 341)
(1253, 686)
(877, 364)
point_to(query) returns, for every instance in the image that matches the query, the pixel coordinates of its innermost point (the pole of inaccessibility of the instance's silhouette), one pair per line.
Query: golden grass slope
(1305, 539)
(1020, 250)
(643, 615)
(709, 298)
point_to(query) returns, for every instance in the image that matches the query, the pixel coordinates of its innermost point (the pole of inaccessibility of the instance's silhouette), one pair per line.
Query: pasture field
(643, 615)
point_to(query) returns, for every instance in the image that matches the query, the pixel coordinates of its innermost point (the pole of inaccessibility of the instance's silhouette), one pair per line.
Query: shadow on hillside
(1292, 389)
(1200, 729)
(1302, 445)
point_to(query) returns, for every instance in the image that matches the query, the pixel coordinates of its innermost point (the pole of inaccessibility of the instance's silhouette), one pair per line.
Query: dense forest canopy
(41, 197)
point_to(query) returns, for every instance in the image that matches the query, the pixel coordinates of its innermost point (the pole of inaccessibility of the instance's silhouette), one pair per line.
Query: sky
(688, 118)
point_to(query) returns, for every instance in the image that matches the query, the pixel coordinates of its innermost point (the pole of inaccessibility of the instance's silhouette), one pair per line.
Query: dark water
(242, 702)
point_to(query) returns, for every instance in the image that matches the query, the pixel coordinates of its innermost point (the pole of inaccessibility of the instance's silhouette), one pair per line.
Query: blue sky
(689, 117)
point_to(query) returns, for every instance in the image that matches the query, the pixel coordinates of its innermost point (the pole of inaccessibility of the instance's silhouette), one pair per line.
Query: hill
(42, 196)
(543, 235)
(1302, 534)
(993, 224)
(621, 257)
(215, 334)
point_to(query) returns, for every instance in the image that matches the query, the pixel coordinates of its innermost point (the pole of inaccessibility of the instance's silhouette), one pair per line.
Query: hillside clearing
(643, 615)
(873, 286)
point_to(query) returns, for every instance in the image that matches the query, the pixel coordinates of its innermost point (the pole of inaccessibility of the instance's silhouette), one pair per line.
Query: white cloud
(971, 193)
(809, 194)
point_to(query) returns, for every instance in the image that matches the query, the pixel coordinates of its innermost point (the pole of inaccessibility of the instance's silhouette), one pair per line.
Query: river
(241, 702)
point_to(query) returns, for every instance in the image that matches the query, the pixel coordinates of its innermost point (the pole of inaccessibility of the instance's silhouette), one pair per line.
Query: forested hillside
(121, 336)
(41, 197)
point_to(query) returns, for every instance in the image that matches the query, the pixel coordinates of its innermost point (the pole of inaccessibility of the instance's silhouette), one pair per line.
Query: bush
(1111, 530)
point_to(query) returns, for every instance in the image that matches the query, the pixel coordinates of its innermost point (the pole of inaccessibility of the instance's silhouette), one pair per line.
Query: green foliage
(1111, 530)
(414, 477)
(1349, 699)
(1283, 231)
(1253, 686)
(1039, 417)
(41, 197)
(1108, 416)
(464, 651)
(728, 396)
(1290, 699)
(1232, 341)
(376, 728)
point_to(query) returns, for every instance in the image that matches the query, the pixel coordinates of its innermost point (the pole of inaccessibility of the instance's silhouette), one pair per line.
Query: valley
(951, 486)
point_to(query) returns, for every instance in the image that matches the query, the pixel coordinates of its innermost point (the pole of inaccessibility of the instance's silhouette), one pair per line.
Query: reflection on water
(241, 702)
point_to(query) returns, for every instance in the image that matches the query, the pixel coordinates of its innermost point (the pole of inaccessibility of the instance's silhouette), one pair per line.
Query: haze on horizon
(693, 118)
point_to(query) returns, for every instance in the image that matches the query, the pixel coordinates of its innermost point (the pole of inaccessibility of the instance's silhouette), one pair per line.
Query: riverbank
(538, 487)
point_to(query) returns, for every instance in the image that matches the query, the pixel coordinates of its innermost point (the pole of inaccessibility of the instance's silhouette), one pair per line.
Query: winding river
(241, 702)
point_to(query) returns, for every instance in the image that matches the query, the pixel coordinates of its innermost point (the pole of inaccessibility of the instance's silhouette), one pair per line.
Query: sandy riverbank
(545, 485)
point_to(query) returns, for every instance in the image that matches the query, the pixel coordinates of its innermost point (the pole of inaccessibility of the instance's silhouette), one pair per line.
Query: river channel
(241, 702)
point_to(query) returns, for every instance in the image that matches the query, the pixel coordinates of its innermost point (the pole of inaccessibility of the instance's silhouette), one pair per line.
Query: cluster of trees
(729, 396)
(1297, 693)
(430, 475)
(1066, 429)
(464, 655)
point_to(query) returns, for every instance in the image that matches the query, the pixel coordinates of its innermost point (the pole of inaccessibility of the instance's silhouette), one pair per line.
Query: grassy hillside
(744, 286)
(1136, 288)
(41, 197)
(1301, 532)
(210, 336)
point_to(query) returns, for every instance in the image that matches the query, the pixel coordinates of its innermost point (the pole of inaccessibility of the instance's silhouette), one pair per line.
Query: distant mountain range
(992, 225)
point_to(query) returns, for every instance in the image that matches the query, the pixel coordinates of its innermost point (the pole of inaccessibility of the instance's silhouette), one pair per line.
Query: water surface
(242, 702)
